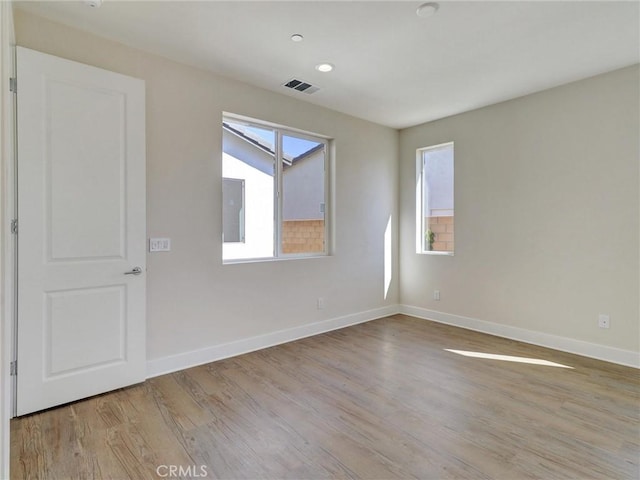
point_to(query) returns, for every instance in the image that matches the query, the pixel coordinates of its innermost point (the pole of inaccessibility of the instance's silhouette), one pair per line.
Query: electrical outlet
(604, 321)
(320, 303)
(436, 294)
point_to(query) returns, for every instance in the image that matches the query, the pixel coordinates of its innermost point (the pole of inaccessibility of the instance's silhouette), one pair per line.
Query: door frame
(8, 253)
(10, 241)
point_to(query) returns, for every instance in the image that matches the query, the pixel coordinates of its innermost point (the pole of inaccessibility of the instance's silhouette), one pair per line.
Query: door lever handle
(135, 271)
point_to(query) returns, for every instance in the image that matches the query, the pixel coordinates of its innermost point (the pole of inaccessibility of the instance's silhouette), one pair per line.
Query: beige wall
(546, 177)
(547, 213)
(194, 301)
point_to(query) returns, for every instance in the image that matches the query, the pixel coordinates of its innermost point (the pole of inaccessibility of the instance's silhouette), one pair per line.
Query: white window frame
(281, 131)
(420, 214)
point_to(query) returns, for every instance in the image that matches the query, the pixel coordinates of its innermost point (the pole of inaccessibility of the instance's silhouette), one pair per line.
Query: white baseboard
(173, 363)
(586, 349)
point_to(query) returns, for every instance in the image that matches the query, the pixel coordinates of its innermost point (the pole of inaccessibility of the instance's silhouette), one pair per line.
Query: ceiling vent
(301, 86)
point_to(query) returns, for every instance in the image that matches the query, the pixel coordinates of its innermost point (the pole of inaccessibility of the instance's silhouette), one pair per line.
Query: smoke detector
(427, 9)
(93, 3)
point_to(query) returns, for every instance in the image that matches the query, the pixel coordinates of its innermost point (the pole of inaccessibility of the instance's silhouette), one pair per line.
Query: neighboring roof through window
(294, 148)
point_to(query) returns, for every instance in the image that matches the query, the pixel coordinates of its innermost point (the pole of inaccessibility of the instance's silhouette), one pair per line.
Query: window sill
(273, 259)
(441, 254)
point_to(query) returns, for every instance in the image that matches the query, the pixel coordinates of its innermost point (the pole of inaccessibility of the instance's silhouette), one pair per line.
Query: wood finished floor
(378, 400)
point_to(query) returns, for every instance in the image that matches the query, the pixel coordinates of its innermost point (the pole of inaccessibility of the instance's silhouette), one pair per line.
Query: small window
(274, 192)
(434, 199)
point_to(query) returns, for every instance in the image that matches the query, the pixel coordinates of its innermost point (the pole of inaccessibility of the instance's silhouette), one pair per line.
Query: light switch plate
(159, 244)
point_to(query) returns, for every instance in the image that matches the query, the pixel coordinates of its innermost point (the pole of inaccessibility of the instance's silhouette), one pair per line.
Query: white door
(81, 228)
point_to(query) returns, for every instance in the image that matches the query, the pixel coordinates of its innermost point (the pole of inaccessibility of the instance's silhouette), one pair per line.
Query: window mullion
(327, 194)
(424, 226)
(277, 231)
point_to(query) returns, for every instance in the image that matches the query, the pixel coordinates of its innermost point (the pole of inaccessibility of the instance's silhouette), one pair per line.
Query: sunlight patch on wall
(388, 258)
(507, 358)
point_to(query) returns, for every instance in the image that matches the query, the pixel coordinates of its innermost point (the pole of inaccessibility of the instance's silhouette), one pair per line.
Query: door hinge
(14, 226)
(14, 368)
(13, 84)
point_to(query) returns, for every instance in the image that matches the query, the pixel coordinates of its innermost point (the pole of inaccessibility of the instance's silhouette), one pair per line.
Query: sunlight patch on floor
(507, 358)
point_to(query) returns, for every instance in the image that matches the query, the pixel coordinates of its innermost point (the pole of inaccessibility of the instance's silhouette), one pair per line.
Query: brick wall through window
(302, 236)
(442, 227)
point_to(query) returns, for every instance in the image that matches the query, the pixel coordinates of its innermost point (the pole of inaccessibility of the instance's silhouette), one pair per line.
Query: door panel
(75, 341)
(80, 161)
(81, 217)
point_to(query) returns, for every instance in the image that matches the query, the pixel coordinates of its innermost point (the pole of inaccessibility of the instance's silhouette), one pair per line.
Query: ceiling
(391, 66)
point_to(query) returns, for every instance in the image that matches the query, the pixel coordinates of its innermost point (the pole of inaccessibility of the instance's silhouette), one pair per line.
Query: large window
(274, 192)
(434, 199)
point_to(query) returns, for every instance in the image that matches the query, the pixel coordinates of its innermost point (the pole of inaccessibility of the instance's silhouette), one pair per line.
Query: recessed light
(296, 37)
(427, 9)
(324, 67)
(93, 3)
